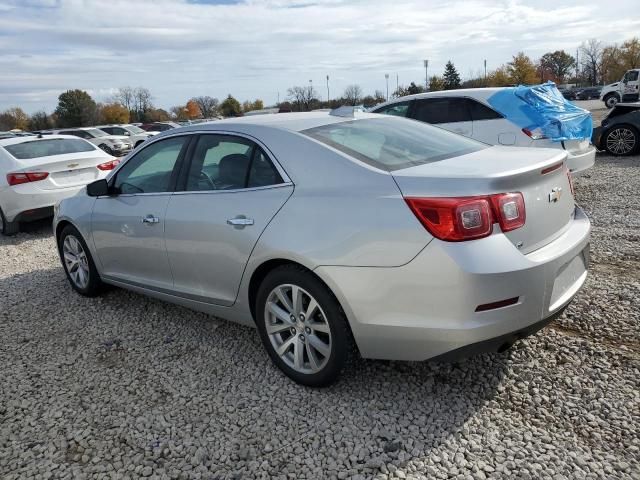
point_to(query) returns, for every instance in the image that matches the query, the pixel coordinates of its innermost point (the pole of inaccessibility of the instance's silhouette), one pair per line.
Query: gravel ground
(125, 387)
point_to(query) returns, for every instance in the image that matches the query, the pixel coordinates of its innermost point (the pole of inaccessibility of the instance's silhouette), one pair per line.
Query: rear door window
(441, 110)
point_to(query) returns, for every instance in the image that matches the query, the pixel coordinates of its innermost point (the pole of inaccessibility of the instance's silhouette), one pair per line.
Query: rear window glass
(393, 143)
(48, 147)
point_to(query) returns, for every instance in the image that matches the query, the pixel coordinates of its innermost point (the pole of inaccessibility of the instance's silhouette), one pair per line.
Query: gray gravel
(125, 387)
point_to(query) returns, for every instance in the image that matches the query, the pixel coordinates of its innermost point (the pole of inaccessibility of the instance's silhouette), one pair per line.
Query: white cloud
(255, 49)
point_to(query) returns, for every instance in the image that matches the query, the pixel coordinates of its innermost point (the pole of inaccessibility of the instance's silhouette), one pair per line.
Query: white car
(117, 145)
(468, 112)
(135, 134)
(37, 172)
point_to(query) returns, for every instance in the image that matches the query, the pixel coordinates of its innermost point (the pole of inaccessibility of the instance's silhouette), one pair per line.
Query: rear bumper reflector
(552, 168)
(493, 305)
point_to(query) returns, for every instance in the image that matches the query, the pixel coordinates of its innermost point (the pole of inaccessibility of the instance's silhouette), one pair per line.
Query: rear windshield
(393, 143)
(48, 147)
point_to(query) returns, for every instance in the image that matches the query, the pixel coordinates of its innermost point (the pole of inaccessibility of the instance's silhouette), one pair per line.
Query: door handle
(150, 219)
(240, 221)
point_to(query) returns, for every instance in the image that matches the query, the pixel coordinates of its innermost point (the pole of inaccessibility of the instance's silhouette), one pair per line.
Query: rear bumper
(28, 202)
(579, 162)
(428, 307)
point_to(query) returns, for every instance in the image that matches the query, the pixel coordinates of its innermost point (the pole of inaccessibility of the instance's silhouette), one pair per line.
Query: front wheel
(621, 141)
(611, 100)
(302, 326)
(78, 263)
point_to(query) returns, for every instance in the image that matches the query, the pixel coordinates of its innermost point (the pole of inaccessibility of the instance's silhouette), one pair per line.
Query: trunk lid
(68, 170)
(549, 203)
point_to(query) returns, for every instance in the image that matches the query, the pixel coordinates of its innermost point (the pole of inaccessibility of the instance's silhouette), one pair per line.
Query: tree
(76, 108)
(208, 106)
(157, 115)
(302, 97)
(14, 118)
(180, 112)
(630, 52)
(379, 96)
(499, 77)
(124, 96)
(248, 106)
(591, 52)
(436, 83)
(40, 121)
(193, 111)
(230, 107)
(413, 89)
(558, 63)
(352, 94)
(141, 102)
(451, 76)
(522, 70)
(114, 113)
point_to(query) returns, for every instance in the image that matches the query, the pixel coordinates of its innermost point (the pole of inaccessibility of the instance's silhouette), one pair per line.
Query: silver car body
(406, 294)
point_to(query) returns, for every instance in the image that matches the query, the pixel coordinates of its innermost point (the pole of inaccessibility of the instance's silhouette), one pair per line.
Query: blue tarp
(543, 110)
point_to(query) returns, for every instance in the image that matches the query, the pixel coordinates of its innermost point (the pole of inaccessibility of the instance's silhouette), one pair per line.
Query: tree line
(594, 63)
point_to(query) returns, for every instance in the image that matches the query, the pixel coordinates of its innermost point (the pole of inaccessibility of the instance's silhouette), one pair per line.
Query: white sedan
(37, 172)
(135, 134)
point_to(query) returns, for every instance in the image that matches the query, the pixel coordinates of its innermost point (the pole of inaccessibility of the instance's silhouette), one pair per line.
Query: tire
(71, 244)
(611, 100)
(323, 341)
(8, 228)
(106, 148)
(621, 140)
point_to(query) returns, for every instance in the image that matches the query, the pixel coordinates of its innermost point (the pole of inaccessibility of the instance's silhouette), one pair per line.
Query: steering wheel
(208, 179)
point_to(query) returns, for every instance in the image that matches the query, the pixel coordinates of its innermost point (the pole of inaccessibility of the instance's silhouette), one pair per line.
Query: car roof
(295, 122)
(13, 140)
(482, 93)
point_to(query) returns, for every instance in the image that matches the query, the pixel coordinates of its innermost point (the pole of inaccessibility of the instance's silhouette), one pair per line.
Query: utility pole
(397, 82)
(327, 88)
(485, 72)
(577, 67)
(386, 77)
(426, 74)
(278, 98)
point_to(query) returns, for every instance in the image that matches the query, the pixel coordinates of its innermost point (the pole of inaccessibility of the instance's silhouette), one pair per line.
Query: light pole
(386, 77)
(328, 89)
(426, 74)
(485, 72)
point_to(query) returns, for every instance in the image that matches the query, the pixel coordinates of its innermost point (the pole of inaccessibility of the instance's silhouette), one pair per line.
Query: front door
(631, 86)
(128, 226)
(231, 191)
(450, 113)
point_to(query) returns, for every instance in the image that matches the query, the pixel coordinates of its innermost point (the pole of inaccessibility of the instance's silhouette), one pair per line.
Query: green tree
(558, 63)
(76, 108)
(451, 77)
(412, 89)
(40, 121)
(521, 70)
(230, 107)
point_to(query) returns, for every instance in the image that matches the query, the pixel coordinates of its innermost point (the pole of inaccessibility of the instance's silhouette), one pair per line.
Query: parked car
(37, 172)
(469, 112)
(588, 93)
(159, 126)
(626, 90)
(135, 134)
(619, 131)
(7, 135)
(112, 144)
(569, 93)
(322, 229)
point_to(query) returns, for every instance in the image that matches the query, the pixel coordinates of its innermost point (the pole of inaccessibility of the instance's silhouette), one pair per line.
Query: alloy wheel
(75, 259)
(297, 328)
(621, 141)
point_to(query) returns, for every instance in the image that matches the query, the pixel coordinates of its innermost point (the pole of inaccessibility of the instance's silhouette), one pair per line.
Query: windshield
(133, 129)
(393, 143)
(94, 132)
(48, 147)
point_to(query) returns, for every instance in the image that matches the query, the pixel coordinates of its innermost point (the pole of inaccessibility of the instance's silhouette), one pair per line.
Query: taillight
(25, 177)
(535, 134)
(466, 218)
(110, 165)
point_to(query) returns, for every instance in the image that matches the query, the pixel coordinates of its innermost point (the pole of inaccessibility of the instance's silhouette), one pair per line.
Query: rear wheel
(622, 140)
(6, 227)
(302, 326)
(78, 263)
(611, 100)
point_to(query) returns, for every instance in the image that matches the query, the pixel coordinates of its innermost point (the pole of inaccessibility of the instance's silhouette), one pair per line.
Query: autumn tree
(616, 60)
(559, 64)
(451, 77)
(436, 83)
(14, 118)
(208, 105)
(521, 70)
(193, 111)
(248, 106)
(76, 108)
(230, 107)
(114, 113)
(352, 94)
(499, 77)
(157, 115)
(180, 113)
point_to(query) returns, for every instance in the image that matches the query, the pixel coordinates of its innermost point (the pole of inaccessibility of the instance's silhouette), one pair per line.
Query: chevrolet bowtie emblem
(73, 165)
(555, 195)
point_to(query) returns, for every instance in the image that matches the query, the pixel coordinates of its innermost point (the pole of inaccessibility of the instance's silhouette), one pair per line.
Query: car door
(128, 226)
(450, 113)
(631, 87)
(231, 191)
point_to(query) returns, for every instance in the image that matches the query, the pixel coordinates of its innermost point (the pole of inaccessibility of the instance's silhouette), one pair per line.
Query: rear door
(231, 191)
(450, 113)
(128, 227)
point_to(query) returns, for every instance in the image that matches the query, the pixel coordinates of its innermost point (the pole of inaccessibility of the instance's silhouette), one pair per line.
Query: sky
(252, 49)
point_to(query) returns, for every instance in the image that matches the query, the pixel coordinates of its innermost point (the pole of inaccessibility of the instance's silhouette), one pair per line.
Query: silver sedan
(337, 235)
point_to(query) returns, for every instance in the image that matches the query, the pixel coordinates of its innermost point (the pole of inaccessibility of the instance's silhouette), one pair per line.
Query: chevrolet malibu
(336, 234)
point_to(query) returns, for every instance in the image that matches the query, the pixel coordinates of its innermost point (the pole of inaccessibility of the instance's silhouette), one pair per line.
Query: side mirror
(98, 188)
(128, 134)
